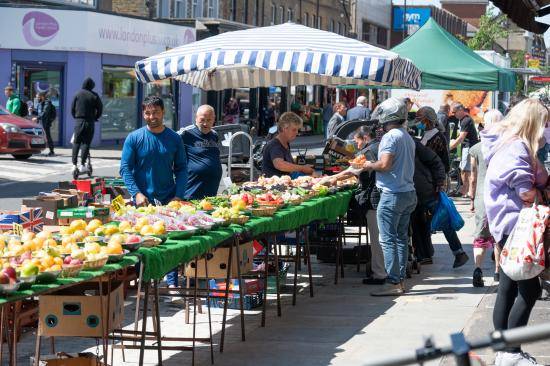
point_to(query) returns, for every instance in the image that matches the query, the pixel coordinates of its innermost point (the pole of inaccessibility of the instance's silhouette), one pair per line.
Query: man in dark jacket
(429, 178)
(45, 115)
(85, 109)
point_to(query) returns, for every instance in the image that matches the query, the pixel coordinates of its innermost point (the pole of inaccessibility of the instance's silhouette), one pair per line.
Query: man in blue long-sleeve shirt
(153, 164)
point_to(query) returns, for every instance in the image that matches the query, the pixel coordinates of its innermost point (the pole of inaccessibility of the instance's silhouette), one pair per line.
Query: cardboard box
(76, 311)
(29, 218)
(250, 301)
(251, 286)
(50, 205)
(68, 360)
(218, 260)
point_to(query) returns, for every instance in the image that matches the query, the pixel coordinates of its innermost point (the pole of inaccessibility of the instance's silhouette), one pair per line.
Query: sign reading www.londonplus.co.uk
(74, 30)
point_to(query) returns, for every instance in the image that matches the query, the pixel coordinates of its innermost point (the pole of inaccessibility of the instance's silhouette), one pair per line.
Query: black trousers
(421, 233)
(47, 129)
(83, 136)
(515, 300)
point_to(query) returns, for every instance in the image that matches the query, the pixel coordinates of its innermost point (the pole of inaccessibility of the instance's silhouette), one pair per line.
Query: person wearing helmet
(394, 178)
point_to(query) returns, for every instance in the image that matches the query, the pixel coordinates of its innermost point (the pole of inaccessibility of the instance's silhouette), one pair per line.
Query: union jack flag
(30, 219)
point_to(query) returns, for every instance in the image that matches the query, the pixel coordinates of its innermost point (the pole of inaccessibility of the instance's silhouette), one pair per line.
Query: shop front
(53, 51)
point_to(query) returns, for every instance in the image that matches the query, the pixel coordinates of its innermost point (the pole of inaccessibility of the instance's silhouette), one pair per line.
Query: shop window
(120, 110)
(163, 89)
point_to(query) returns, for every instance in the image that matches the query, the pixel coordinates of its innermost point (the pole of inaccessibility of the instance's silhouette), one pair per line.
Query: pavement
(342, 324)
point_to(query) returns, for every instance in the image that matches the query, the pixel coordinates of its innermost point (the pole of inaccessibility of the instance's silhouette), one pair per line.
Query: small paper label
(66, 214)
(17, 229)
(50, 215)
(117, 203)
(89, 214)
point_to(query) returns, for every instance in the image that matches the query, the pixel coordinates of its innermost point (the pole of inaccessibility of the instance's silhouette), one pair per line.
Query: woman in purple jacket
(513, 179)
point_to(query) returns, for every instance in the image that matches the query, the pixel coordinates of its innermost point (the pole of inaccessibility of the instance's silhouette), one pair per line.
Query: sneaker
(496, 277)
(51, 153)
(477, 280)
(82, 169)
(460, 260)
(389, 289)
(514, 359)
(374, 281)
(425, 261)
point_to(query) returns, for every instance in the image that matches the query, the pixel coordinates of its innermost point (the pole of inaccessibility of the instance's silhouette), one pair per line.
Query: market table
(159, 260)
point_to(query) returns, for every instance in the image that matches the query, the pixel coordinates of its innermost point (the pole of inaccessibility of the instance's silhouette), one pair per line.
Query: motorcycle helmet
(391, 110)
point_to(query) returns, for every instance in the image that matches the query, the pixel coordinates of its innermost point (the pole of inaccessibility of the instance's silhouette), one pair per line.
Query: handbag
(523, 255)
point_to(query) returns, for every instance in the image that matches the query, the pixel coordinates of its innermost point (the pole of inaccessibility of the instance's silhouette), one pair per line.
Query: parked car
(19, 136)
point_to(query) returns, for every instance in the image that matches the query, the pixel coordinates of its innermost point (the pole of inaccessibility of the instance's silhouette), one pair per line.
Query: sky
(545, 19)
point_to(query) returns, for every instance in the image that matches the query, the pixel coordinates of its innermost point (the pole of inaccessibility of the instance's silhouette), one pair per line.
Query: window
(289, 15)
(382, 36)
(319, 22)
(305, 19)
(180, 11)
(369, 32)
(312, 22)
(273, 14)
(331, 25)
(212, 9)
(120, 109)
(163, 8)
(337, 30)
(344, 30)
(194, 8)
(281, 15)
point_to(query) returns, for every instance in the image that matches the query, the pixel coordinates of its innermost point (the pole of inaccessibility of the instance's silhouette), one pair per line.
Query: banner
(88, 31)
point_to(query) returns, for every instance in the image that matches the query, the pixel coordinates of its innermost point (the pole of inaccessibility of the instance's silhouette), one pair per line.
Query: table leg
(138, 301)
(276, 255)
(227, 280)
(144, 323)
(208, 305)
(342, 241)
(241, 285)
(308, 256)
(36, 349)
(266, 271)
(296, 265)
(195, 312)
(157, 318)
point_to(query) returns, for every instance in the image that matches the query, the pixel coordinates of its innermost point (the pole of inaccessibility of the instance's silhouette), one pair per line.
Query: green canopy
(448, 64)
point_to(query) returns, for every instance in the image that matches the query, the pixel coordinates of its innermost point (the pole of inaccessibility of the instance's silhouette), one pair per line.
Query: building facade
(41, 51)
(468, 10)
(371, 21)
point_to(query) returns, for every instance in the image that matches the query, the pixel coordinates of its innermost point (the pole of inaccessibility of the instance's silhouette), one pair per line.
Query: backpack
(23, 109)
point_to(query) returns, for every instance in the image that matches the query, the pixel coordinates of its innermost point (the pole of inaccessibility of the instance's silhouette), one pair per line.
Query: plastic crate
(250, 301)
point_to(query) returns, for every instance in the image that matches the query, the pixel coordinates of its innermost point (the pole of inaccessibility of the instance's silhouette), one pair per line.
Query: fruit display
(358, 161)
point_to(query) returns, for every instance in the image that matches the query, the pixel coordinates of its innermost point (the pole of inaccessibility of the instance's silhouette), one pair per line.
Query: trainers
(82, 169)
(51, 153)
(460, 260)
(389, 289)
(477, 280)
(373, 281)
(514, 359)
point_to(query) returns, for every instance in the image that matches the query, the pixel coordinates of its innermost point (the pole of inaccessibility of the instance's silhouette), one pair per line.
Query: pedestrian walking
(483, 239)
(327, 115)
(86, 109)
(466, 138)
(337, 119)
(45, 115)
(394, 177)
(13, 105)
(153, 164)
(360, 111)
(513, 180)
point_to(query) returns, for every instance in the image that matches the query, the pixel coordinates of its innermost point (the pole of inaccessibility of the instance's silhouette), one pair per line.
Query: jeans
(325, 126)
(377, 256)
(172, 277)
(393, 216)
(450, 234)
(47, 131)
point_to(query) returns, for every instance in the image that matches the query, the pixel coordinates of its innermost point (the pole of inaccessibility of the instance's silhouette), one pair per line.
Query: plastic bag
(446, 215)
(523, 255)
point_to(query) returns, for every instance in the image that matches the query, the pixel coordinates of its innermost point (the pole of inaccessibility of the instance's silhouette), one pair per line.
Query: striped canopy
(279, 55)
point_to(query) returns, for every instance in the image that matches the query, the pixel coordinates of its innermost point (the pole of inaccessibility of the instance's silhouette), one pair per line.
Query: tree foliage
(491, 28)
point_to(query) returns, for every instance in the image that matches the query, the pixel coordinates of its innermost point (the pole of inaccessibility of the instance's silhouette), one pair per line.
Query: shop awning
(279, 55)
(523, 13)
(448, 64)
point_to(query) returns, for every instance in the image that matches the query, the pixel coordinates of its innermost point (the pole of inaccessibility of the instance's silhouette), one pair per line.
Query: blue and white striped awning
(279, 55)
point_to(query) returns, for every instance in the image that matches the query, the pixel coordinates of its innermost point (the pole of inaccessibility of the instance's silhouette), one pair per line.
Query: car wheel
(22, 156)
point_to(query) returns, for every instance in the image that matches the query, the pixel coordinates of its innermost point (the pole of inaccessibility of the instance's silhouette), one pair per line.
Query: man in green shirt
(13, 104)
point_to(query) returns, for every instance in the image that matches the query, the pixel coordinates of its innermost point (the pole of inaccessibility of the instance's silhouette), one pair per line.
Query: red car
(19, 136)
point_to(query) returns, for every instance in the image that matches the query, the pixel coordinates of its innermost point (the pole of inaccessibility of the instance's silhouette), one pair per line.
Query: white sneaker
(82, 169)
(515, 359)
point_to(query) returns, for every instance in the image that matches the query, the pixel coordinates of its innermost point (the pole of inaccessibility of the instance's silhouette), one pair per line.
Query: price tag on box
(17, 229)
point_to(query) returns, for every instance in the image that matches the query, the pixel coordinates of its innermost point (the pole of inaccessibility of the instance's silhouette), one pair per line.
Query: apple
(29, 270)
(4, 280)
(10, 272)
(75, 262)
(67, 260)
(132, 239)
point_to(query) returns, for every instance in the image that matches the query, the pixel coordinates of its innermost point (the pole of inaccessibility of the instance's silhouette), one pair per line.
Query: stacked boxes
(85, 213)
(30, 218)
(50, 203)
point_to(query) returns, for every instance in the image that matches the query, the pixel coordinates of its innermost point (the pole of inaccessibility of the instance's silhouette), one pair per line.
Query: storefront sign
(414, 18)
(73, 30)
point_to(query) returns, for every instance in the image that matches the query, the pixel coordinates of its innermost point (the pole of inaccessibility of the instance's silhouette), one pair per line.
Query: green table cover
(83, 276)
(163, 258)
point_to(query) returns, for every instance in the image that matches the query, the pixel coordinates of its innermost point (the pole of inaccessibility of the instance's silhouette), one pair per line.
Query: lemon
(43, 235)
(124, 226)
(66, 230)
(147, 230)
(78, 225)
(110, 230)
(27, 236)
(92, 248)
(142, 221)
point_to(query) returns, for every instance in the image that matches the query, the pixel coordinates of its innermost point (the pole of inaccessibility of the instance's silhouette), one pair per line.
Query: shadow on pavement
(25, 189)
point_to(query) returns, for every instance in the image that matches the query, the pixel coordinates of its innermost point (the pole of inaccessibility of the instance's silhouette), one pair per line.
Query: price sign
(117, 203)
(17, 229)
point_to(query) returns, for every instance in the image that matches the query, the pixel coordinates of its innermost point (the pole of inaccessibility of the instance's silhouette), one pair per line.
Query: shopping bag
(523, 255)
(446, 215)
